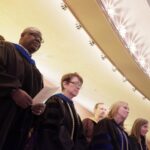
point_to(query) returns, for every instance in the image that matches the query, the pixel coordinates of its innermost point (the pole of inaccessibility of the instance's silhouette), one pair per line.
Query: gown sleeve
(10, 67)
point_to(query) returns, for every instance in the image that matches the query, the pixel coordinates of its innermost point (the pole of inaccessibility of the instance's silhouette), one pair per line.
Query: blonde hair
(136, 128)
(114, 109)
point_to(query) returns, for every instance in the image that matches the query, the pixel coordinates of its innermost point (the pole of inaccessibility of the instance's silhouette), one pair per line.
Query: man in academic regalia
(20, 81)
(90, 123)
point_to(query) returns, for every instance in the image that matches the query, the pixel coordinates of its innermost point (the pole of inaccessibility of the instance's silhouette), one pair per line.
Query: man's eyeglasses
(77, 84)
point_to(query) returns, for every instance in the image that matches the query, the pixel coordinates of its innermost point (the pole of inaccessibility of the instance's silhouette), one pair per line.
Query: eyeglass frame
(76, 83)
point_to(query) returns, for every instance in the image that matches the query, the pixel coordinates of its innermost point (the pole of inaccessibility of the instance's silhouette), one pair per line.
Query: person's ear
(22, 34)
(64, 83)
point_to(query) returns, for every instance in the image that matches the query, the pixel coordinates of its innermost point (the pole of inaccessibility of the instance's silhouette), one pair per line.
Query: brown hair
(136, 128)
(67, 77)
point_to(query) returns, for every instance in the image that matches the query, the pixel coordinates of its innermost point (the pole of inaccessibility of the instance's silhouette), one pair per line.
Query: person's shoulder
(54, 100)
(87, 121)
(133, 142)
(133, 138)
(7, 45)
(104, 121)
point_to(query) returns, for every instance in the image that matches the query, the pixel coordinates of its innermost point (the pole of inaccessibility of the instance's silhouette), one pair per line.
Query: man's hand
(38, 109)
(21, 98)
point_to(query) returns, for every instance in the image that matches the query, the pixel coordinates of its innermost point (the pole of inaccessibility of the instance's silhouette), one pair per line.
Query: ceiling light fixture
(78, 26)
(63, 6)
(91, 42)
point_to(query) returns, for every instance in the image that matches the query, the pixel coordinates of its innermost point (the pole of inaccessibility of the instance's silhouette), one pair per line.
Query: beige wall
(82, 111)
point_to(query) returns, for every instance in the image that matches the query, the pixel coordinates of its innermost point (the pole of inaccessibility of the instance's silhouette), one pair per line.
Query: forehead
(74, 78)
(35, 31)
(100, 106)
(124, 105)
(32, 30)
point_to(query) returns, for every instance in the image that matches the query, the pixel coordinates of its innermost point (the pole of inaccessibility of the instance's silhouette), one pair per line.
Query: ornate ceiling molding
(92, 17)
(126, 31)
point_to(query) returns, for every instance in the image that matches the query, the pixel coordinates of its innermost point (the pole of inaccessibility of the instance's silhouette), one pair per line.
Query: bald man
(20, 81)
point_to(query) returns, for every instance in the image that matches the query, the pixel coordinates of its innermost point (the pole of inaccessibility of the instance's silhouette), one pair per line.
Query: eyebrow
(36, 33)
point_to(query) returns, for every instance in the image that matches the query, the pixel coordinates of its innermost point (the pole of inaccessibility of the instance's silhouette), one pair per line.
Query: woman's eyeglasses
(78, 84)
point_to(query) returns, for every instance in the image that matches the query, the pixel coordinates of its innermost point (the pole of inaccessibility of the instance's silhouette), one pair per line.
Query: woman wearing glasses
(60, 127)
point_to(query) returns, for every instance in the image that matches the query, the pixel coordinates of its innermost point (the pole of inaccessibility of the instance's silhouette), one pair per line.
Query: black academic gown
(56, 129)
(88, 127)
(15, 72)
(135, 145)
(108, 135)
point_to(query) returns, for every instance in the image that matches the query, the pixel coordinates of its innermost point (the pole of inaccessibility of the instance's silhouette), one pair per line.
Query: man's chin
(33, 50)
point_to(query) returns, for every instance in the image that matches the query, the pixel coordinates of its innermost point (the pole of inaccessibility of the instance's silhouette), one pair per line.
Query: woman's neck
(67, 95)
(118, 119)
